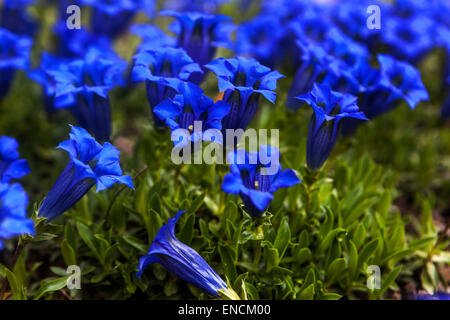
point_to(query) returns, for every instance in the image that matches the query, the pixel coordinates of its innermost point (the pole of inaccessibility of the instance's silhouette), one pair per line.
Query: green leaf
(18, 291)
(51, 285)
(307, 293)
(335, 269)
(228, 262)
(367, 251)
(390, 278)
(68, 253)
(283, 237)
(136, 243)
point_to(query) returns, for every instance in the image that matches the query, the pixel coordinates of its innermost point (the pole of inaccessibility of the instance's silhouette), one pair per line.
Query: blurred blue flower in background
(42, 76)
(189, 106)
(152, 37)
(440, 295)
(209, 6)
(13, 214)
(250, 177)
(14, 54)
(163, 69)
(74, 43)
(183, 261)
(330, 108)
(90, 164)
(15, 18)
(243, 81)
(11, 167)
(111, 18)
(89, 80)
(200, 35)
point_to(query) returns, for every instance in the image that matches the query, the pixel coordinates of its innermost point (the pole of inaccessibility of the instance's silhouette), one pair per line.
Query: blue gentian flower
(89, 80)
(189, 106)
(408, 39)
(260, 37)
(11, 167)
(75, 43)
(316, 63)
(440, 295)
(183, 261)
(330, 108)
(255, 176)
(404, 80)
(14, 54)
(152, 37)
(15, 18)
(13, 214)
(41, 75)
(111, 18)
(243, 81)
(163, 69)
(200, 34)
(90, 164)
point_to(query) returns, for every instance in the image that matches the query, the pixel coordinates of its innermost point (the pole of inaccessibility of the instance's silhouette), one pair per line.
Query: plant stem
(17, 253)
(120, 190)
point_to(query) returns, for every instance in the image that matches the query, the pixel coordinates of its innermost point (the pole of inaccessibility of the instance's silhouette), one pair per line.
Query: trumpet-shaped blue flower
(260, 37)
(14, 17)
(14, 54)
(41, 75)
(409, 38)
(330, 108)
(183, 261)
(163, 69)
(404, 80)
(13, 214)
(74, 43)
(255, 176)
(315, 63)
(152, 37)
(11, 167)
(191, 106)
(445, 111)
(89, 80)
(243, 81)
(90, 164)
(200, 34)
(111, 18)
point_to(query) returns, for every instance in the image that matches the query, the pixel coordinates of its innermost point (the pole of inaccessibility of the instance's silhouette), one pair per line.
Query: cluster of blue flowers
(327, 49)
(13, 199)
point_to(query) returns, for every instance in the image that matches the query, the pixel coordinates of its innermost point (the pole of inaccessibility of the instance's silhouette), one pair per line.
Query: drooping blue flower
(11, 167)
(15, 18)
(163, 69)
(440, 295)
(243, 81)
(90, 164)
(200, 35)
(41, 75)
(14, 54)
(183, 261)
(188, 107)
(152, 37)
(316, 63)
(330, 108)
(255, 176)
(89, 80)
(111, 18)
(13, 214)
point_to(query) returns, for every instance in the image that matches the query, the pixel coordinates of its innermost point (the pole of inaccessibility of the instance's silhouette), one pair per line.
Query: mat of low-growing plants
(125, 172)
